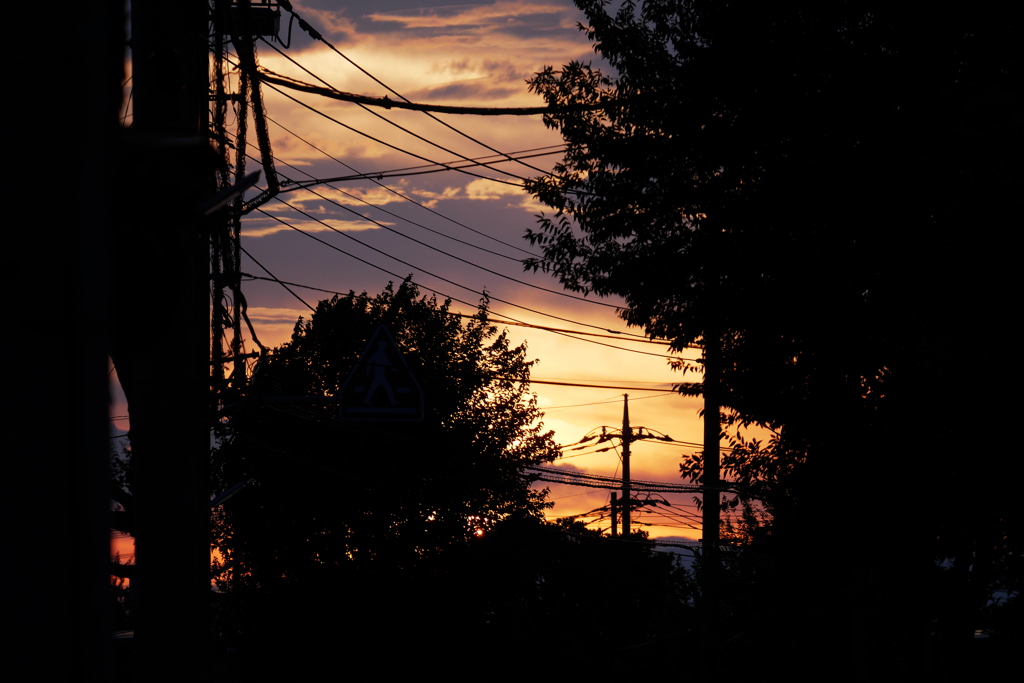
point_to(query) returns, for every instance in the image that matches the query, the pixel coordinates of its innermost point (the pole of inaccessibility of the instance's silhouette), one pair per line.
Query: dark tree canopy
(798, 173)
(823, 184)
(325, 493)
(416, 546)
(824, 187)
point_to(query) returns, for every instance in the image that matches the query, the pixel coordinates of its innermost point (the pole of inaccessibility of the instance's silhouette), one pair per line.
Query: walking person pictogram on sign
(378, 365)
(381, 386)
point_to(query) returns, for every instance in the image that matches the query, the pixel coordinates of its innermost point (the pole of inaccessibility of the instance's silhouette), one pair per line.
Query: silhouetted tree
(576, 603)
(823, 185)
(357, 521)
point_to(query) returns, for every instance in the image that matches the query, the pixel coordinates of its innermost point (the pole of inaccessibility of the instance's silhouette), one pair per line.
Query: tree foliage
(800, 177)
(799, 173)
(579, 603)
(821, 186)
(325, 493)
(423, 536)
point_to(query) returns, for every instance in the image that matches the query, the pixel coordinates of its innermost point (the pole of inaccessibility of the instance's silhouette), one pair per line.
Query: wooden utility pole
(55, 486)
(615, 514)
(711, 481)
(627, 438)
(160, 335)
(621, 508)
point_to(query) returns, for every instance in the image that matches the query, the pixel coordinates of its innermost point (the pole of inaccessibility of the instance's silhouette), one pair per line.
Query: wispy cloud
(331, 23)
(349, 196)
(473, 54)
(430, 198)
(534, 205)
(476, 90)
(328, 225)
(276, 315)
(481, 189)
(488, 189)
(462, 16)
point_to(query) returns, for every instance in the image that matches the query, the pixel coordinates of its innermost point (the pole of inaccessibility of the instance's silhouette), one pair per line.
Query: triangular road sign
(381, 386)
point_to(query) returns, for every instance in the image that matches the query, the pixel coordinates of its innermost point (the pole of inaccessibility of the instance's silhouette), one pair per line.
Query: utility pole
(627, 438)
(56, 478)
(160, 333)
(627, 435)
(615, 512)
(711, 481)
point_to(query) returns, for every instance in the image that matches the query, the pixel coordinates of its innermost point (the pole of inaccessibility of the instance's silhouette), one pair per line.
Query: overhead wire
(626, 337)
(424, 169)
(575, 379)
(597, 386)
(509, 158)
(383, 210)
(676, 509)
(443, 279)
(385, 102)
(445, 253)
(316, 35)
(429, 246)
(684, 517)
(469, 289)
(128, 101)
(274, 278)
(576, 455)
(388, 144)
(393, 123)
(623, 336)
(313, 33)
(571, 495)
(576, 478)
(567, 333)
(511, 321)
(401, 195)
(601, 403)
(493, 272)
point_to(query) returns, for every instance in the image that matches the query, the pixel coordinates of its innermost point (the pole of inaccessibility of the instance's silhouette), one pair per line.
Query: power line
(596, 386)
(298, 185)
(403, 196)
(388, 144)
(615, 401)
(272, 277)
(623, 336)
(561, 476)
(567, 333)
(443, 279)
(391, 213)
(313, 33)
(619, 335)
(497, 321)
(400, 173)
(425, 169)
(367, 109)
(385, 102)
(578, 455)
(445, 253)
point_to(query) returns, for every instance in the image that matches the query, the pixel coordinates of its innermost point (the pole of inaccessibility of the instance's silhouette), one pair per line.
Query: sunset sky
(468, 55)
